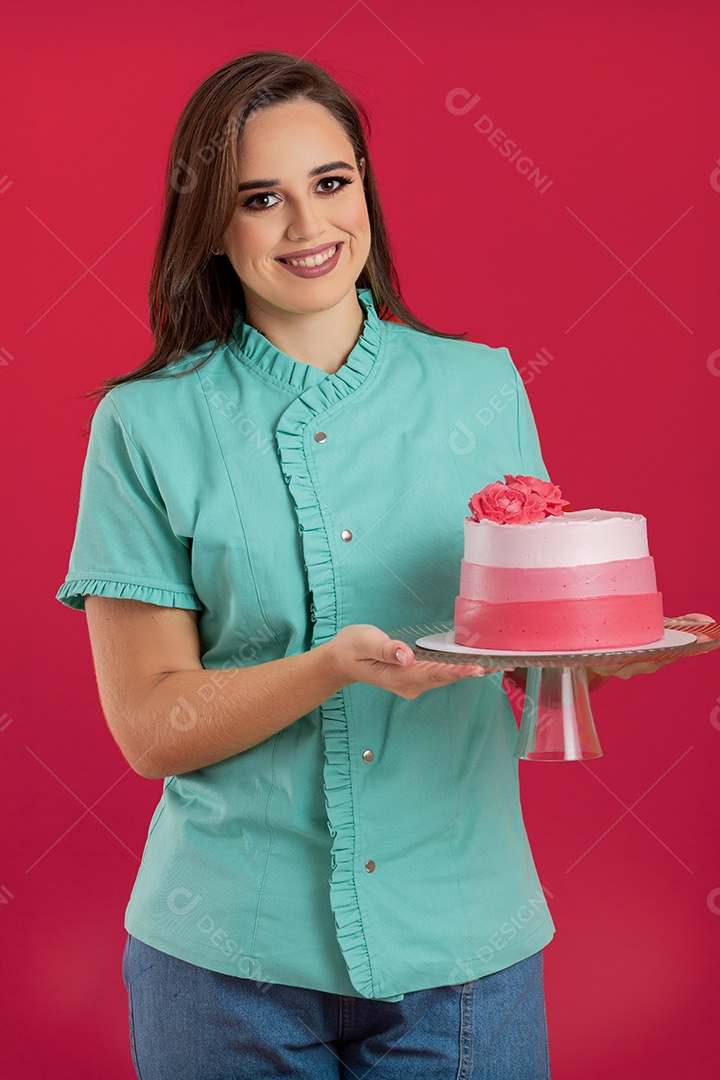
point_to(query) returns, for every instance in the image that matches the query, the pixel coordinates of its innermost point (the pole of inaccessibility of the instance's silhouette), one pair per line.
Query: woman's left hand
(626, 671)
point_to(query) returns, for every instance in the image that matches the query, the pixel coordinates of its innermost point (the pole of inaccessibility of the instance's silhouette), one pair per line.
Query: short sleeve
(124, 545)
(528, 441)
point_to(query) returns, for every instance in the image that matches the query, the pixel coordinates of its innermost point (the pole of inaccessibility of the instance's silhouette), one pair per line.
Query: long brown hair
(193, 294)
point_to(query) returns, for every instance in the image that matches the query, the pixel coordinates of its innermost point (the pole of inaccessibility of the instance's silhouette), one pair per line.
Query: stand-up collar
(251, 346)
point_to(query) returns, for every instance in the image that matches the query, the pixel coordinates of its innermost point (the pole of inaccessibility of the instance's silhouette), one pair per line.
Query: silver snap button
(346, 535)
(320, 436)
(368, 755)
(370, 866)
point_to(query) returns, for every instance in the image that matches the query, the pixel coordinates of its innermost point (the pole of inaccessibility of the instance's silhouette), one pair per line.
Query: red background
(612, 270)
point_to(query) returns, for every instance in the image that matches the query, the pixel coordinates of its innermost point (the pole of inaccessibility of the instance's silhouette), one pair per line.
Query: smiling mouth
(313, 260)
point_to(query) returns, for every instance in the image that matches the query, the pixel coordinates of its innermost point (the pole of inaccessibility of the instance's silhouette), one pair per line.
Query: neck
(323, 339)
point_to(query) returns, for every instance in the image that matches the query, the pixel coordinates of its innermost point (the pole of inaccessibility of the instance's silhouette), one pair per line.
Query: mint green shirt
(376, 845)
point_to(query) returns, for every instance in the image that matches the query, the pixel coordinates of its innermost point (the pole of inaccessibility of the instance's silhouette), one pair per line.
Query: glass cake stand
(557, 722)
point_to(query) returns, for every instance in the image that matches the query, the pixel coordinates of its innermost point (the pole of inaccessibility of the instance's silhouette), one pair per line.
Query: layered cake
(536, 577)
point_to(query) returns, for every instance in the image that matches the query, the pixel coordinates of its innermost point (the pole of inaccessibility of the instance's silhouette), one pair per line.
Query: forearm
(190, 719)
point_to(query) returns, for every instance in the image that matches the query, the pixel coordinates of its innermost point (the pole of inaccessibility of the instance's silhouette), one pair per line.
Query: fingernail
(400, 656)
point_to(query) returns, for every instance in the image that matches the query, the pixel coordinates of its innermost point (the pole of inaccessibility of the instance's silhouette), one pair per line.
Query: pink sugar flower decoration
(521, 500)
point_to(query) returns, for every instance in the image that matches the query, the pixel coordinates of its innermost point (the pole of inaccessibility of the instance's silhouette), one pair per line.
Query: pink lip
(307, 252)
(313, 271)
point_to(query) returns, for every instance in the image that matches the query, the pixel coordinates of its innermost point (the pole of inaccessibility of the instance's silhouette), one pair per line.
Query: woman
(337, 876)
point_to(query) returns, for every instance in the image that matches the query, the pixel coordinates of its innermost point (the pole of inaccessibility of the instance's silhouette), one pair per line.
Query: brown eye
(263, 195)
(342, 181)
(250, 203)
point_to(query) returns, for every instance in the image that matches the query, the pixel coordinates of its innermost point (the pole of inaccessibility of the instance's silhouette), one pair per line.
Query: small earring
(216, 252)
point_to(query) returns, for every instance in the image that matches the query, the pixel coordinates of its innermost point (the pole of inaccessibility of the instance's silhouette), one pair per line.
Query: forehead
(300, 130)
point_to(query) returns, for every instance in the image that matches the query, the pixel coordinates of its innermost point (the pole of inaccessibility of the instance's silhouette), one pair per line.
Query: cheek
(357, 220)
(248, 238)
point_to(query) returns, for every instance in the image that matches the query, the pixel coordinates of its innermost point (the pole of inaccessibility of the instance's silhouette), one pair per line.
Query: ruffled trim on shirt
(305, 413)
(290, 436)
(252, 347)
(72, 593)
(249, 345)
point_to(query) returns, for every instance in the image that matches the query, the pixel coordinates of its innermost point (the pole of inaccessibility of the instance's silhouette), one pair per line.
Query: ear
(361, 166)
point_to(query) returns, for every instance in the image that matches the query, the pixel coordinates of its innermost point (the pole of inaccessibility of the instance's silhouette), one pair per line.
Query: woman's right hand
(364, 653)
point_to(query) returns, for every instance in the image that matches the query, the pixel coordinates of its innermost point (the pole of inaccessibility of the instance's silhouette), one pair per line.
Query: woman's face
(286, 143)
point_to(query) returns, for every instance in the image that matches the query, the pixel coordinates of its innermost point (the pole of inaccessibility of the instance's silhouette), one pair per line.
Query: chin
(318, 294)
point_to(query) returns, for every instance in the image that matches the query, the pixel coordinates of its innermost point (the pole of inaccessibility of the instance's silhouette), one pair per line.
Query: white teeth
(314, 260)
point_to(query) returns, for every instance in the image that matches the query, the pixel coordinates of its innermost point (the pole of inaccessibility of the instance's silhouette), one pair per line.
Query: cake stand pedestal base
(557, 722)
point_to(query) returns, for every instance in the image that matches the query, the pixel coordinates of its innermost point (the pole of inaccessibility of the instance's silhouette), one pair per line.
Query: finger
(608, 672)
(462, 671)
(639, 669)
(605, 671)
(471, 669)
(694, 616)
(628, 670)
(396, 652)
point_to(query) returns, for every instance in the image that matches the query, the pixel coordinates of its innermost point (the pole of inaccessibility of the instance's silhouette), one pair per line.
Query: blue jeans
(189, 1023)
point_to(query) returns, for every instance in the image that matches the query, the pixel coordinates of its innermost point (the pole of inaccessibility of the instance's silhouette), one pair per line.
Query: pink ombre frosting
(535, 578)
(509, 583)
(601, 622)
(574, 539)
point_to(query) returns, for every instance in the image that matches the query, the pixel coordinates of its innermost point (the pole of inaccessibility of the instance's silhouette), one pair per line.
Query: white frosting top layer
(572, 539)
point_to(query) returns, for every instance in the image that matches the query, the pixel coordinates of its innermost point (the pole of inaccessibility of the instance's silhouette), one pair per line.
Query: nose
(305, 224)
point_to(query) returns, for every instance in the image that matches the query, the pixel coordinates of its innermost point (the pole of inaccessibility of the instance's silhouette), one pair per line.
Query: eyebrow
(249, 185)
